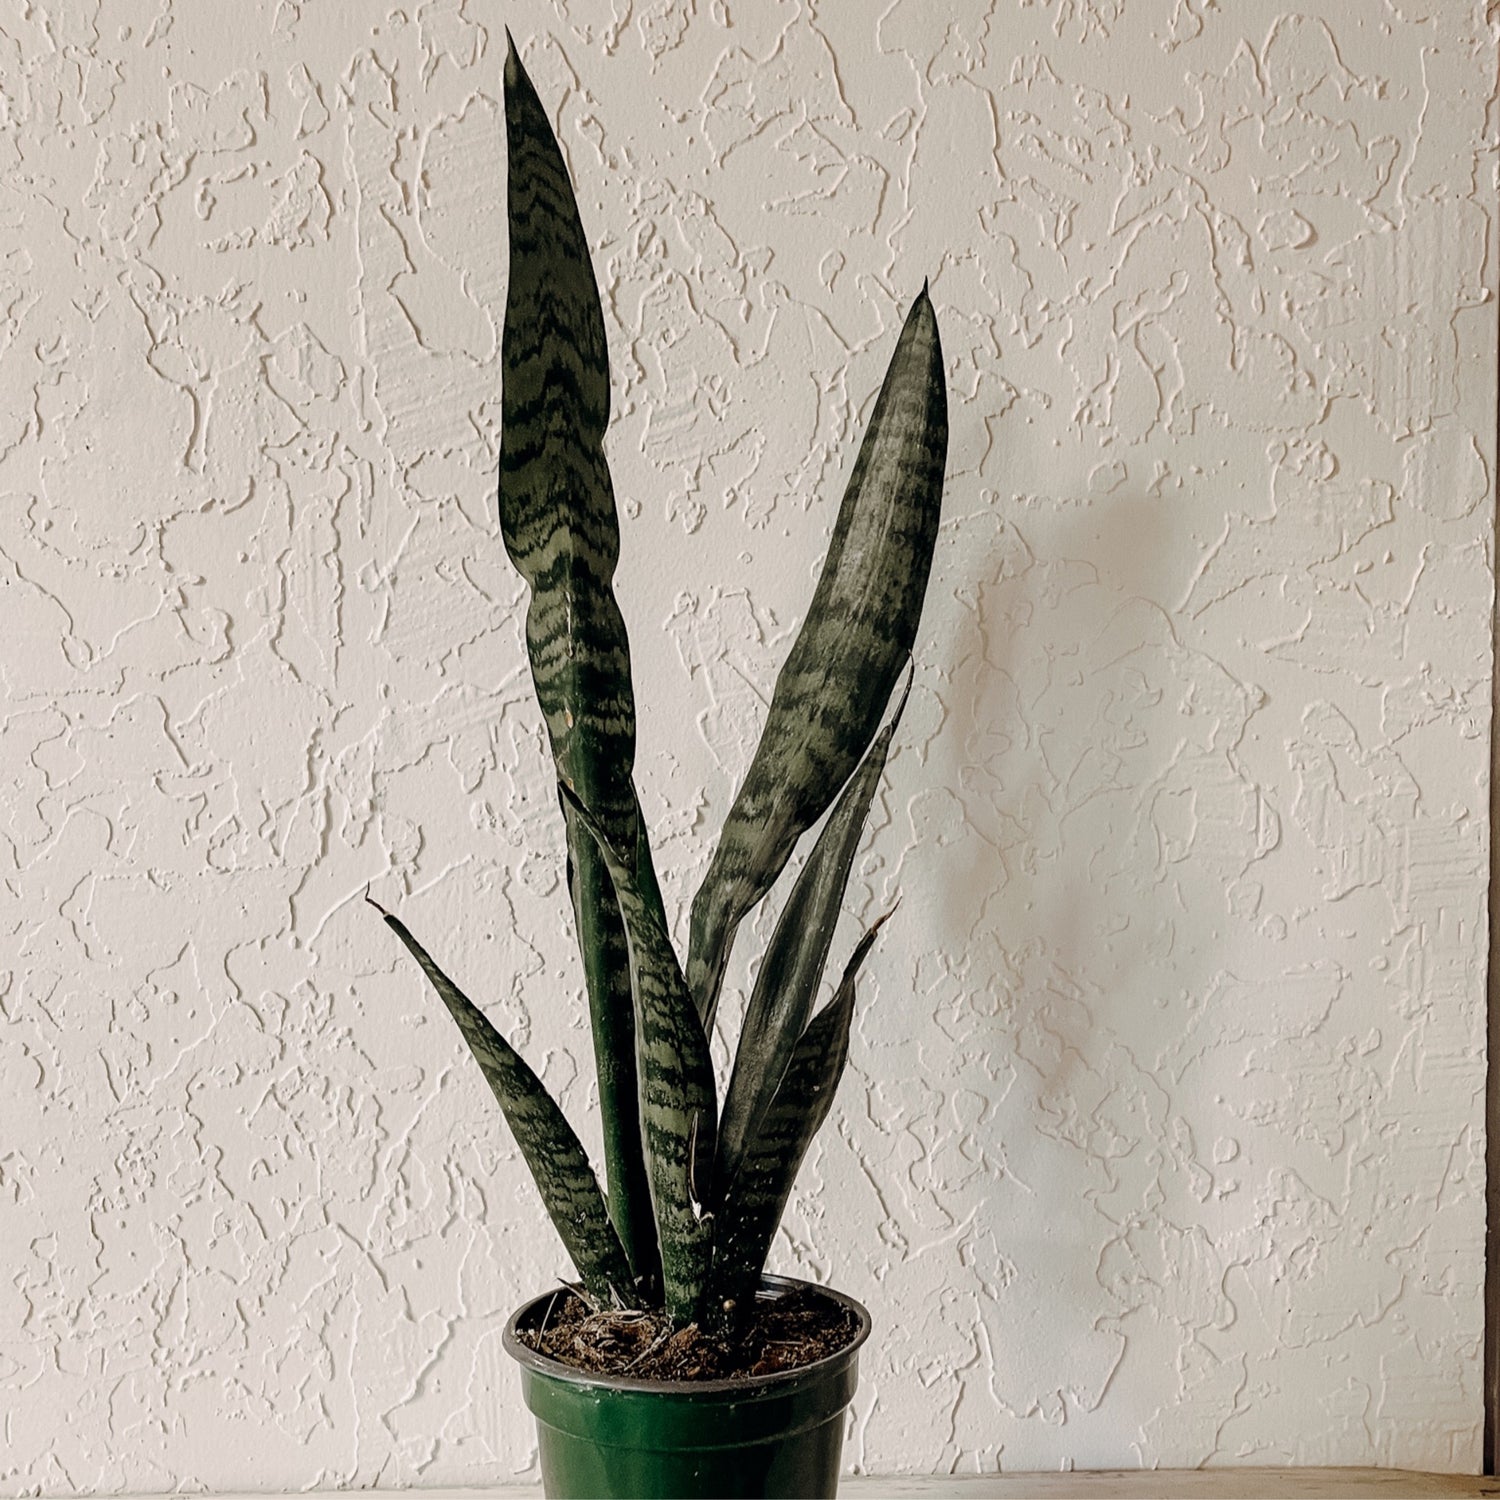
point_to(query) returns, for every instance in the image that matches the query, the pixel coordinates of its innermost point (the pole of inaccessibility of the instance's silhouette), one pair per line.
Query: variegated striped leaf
(787, 984)
(552, 1151)
(676, 1075)
(557, 517)
(756, 1197)
(859, 629)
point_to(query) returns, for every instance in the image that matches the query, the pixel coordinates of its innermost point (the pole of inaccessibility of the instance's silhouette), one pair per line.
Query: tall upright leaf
(552, 1151)
(755, 1198)
(859, 629)
(787, 984)
(558, 520)
(676, 1076)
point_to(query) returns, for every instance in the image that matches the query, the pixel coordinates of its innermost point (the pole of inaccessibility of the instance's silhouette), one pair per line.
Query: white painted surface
(1162, 1137)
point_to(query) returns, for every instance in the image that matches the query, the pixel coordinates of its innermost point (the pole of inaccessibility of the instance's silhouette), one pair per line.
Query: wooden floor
(1178, 1484)
(1121, 1484)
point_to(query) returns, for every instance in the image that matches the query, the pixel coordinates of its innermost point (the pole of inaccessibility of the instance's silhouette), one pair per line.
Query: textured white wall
(1162, 1136)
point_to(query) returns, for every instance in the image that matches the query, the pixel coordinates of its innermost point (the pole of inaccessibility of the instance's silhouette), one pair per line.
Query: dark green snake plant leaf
(552, 1151)
(787, 983)
(859, 629)
(678, 1115)
(756, 1197)
(558, 521)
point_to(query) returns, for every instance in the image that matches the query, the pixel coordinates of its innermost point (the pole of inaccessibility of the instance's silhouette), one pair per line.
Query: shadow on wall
(1081, 863)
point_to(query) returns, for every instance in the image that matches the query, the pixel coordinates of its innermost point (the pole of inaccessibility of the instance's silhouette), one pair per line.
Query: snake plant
(694, 1191)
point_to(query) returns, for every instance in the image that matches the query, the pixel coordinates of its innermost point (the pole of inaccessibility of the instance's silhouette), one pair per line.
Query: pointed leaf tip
(910, 683)
(787, 984)
(859, 629)
(880, 922)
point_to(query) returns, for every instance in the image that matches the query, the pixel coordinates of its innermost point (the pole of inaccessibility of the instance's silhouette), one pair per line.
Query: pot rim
(770, 1285)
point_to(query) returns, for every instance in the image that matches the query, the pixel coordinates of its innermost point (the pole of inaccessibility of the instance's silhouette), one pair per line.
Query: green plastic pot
(619, 1439)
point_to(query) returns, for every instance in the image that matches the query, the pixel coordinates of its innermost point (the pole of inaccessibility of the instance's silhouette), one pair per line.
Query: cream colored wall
(1162, 1137)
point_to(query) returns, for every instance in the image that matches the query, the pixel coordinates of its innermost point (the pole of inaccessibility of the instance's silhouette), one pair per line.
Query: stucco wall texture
(1162, 1140)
